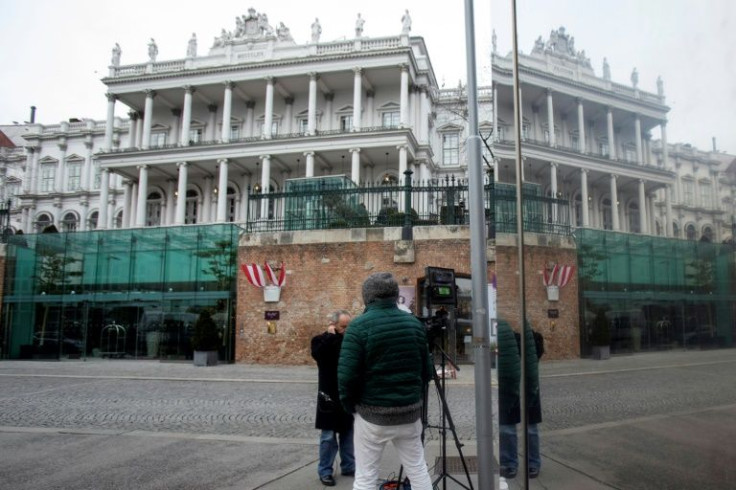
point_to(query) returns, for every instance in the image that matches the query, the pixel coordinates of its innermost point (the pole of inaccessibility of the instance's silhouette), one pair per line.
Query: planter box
(205, 358)
(601, 352)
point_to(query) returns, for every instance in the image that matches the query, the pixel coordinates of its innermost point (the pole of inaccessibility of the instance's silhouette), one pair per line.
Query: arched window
(607, 215)
(190, 215)
(231, 204)
(707, 234)
(153, 209)
(675, 230)
(633, 212)
(690, 232)
(69, 222)
(43, 221)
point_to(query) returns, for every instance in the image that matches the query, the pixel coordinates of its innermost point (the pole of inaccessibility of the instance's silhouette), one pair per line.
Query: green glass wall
(657, 293)
(132, 293)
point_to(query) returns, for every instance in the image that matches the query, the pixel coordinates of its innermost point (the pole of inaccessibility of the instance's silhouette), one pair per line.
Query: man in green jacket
(382, 373)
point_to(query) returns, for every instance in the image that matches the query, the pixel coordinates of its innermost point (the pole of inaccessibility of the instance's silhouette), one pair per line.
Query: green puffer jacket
(384, 360)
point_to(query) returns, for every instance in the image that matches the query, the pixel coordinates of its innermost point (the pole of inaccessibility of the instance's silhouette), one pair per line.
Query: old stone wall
(326, 269)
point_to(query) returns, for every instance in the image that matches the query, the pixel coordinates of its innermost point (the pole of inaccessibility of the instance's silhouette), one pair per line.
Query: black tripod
(446, 423)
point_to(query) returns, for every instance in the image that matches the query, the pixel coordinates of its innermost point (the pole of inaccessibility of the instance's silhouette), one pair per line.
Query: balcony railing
(324, 203)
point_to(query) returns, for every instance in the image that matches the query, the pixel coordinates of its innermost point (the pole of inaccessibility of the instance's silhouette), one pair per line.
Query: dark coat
(384, 361)
(330, 414)
(509, 376)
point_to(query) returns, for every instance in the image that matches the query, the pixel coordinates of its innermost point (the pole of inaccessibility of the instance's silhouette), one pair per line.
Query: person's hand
(331, 329)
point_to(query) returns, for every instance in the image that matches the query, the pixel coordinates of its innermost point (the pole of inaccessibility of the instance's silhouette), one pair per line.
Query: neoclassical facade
(186, 140)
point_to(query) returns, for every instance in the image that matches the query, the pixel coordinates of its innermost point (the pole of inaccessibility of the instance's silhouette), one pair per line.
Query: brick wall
(326, 269)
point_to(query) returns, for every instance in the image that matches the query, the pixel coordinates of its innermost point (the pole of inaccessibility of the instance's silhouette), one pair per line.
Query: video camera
(440, 286)
(436, 326)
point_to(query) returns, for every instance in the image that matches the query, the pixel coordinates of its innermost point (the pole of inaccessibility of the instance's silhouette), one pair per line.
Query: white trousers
(370, 440)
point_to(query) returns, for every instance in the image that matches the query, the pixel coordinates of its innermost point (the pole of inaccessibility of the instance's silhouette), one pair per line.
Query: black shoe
(507, 472)
(327, 481)
(348, 473)
(533, 472)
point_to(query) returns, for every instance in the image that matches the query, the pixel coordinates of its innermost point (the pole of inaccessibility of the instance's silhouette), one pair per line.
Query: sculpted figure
(316, 30)
(606, 70)
(660, 86)
(283, 32)
(152, 50)
(634, 78)
(406, 22)
(192, 46)
(116, 52)
(359, 26)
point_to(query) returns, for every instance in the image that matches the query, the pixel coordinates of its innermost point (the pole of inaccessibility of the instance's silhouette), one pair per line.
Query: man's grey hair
(334, 317)
(379, 286)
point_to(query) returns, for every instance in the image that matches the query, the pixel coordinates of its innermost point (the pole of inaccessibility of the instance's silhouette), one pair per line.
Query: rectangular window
(234, 132)
(158, 139)
(346, 123)
(525, 131)
(74, 174)
(303, 126)
(391, 119)
(12, 190)
(48, 176)
(451, 149)
(705, 195)
(195, 135)
(687, 192)
(575, 142)
(630, 154)
(603, 148)
(274, 128)
(98, 177)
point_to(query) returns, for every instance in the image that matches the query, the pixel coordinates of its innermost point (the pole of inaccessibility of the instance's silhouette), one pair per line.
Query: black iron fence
(326, 203)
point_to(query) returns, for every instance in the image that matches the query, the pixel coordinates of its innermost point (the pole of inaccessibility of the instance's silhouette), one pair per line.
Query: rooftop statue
(152, 50)
(283, 33)
(660, 86)
(634, 78)
(406, 22)
(606, 70)
(316, 30)
(359, 26)
(192, 46)
(494, 41)
(252, 27)
(116, 52)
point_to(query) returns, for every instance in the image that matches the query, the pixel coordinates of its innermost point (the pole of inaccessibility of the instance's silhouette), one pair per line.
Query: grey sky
(54, 53)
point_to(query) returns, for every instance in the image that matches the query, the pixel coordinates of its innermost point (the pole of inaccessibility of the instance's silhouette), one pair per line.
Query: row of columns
(646, 213)
(141, 133)
(583, 142)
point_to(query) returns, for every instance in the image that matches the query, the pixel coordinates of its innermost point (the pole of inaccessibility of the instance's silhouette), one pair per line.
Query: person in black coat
(331, 418)
(509, 378)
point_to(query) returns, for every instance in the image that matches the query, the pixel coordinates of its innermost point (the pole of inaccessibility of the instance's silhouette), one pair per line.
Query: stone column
(170, 201)
(288, 114)
(210, 134)
(312, 104)
(668, 211)
(496, 137)
(148, 119)
(643, 223)
(265, 183)
(327, 121)
(581, 126)
(639, 149)
(665, 149)
(404, 101)
(357, 97)
(207, 199)
(181, 196)
(355, 170)
(132, 129)
(249, 106)
(127, 197)
(28, 173)
(222, 191)
(186, 122)
(59, 178)
(227, 107)
(140, 218)
(584, 197)
(614, 204)
(268, 120)
(87, 169)
(611, 141)
(551, 119)
(424, 114)
(110, 123)
(309, 164)
(370, 108)
(104, 197)
(175, 136)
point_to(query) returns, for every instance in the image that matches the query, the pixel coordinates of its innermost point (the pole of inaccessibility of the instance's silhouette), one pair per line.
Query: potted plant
(601, 336)
(205, 340)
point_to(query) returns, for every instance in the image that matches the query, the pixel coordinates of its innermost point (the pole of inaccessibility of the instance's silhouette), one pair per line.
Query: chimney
(33, 114)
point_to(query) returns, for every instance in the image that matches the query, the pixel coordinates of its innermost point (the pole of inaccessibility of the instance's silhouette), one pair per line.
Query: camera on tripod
(440, 286)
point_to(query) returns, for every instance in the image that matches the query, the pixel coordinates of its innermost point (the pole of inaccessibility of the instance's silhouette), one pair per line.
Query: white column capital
(354, 150)
(182, 164)
(307, 154)
(228, 84)
(150, 93)
(584, 170)
(111, 97)
(358, 70)
(222, 161)
(189, 89)
(313, 75)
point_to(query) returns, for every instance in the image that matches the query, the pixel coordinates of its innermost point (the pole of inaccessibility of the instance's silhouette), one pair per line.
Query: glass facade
(657, 293)
(133, 293)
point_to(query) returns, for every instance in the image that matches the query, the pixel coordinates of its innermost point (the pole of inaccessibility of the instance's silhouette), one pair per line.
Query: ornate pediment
(253, 27)
(561, 45)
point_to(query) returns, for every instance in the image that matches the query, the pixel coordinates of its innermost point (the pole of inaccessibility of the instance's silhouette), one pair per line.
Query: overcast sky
(54, 53)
